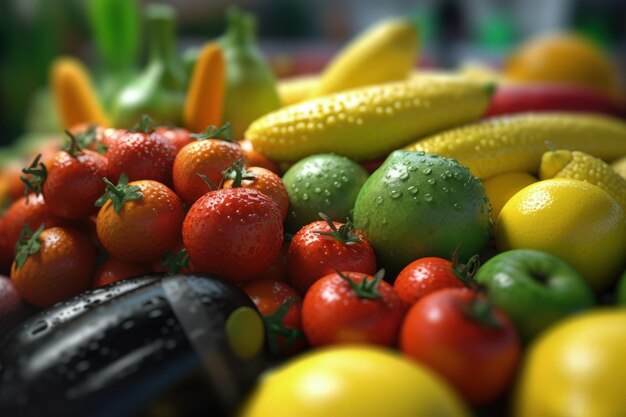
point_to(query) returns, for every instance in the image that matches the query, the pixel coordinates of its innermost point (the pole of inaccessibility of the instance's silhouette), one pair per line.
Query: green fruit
(417, 205)
(534, 288)
(325, 183)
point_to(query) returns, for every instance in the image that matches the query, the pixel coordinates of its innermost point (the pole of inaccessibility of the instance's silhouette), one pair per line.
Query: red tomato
(281, 308)
(278, 270)
(177, 136)
(460, 336)
(74, 183)
(142, 156)
(426, 275)
(351, 307)
(233, 233)
(33, 211)
(323, 247)
(113, 270)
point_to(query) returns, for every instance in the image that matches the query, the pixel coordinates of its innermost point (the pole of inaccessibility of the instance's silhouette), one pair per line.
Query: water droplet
(413, 190)
(427, 171)
(448, 174)
(404, 176)
(307, 184)
(379, 199)
(442, 220)
(421, 153)
(457, 206)
(432, 181)
(327, 193)
(344, 179)
(413, 168)
(458, 176)
(337, 184)
(428, 197)
(384, 221)
(317, 190)
(395, 194)
(305, 196)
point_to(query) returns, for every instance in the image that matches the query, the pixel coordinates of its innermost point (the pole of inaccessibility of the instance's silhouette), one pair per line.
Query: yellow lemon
(573, 220)
(576, 368)
(504, 186)
(565, 58)
(353, 381)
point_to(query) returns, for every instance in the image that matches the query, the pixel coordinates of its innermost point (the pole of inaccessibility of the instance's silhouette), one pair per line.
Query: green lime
(417, 205)
(325, 183)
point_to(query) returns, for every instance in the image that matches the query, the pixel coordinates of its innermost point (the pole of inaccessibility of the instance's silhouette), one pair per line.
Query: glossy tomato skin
(312, 255)
(33, 211)
(113, 270)
(479, 361)
(333, 313)
(73, 184)
(424, 276)
(254, 158)
(63, 267)
(208, 157)
(278, 269)
(141, 156)
(269, 296)
(178, 137)
(269, 184)
(233, 233)
(144, 229)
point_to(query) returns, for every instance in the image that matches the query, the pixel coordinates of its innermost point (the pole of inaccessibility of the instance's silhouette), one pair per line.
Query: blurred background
(297, 36)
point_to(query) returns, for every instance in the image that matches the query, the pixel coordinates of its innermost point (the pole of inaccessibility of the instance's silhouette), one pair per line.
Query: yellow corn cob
(205, 94)
(384, 53)
(619, 166)
(369, 122)
(583, 167)
(296, 89)
(516, 143)
(74, 96)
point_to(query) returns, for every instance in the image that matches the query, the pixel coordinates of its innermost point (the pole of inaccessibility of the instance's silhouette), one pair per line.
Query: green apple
(534, 288)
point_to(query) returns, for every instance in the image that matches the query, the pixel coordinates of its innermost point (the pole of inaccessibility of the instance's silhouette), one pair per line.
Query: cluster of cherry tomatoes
(119, 203)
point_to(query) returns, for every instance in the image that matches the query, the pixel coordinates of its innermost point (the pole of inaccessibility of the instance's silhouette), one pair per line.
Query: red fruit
(351, 307)
(53, 265)
(278, 270)
(139, 221)
(460, 336)
(113, 270)
(33, 212)
(323, 247)
(142, 156)
(281, 308)
(208, 157)
(426, 275)
(233, 233)
(519, 98)
(260, 179)
(177, 136)
(74, 183)
(254, 158)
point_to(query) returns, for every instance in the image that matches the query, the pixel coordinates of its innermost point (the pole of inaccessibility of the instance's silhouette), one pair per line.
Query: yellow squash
(369, 122)
(516, 143)
(74, 95)
(580, 166)
(619, 166)
(386, 52)
(296, 89)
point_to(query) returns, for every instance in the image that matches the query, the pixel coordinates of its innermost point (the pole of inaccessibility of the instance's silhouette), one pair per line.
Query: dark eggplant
(184, 345)
(48, 320)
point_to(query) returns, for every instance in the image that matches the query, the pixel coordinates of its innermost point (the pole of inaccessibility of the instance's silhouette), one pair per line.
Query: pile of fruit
(406, 243)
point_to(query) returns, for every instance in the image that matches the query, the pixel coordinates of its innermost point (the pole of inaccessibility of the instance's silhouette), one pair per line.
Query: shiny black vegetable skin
(132, 355)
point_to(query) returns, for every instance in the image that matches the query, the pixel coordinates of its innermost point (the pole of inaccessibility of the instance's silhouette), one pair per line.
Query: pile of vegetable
(404, 243)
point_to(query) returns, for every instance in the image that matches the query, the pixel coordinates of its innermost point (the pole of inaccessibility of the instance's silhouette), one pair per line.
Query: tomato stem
(119, 194)
(27, 244)
(237, 172)
(144, 125)
(480, 310)
(38, 173)
(345, 233)
(213, 132)
(366, 288)
(212, 186)
(73, 148)
(176, 261)
(276, 328)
